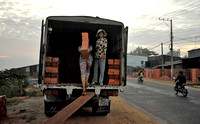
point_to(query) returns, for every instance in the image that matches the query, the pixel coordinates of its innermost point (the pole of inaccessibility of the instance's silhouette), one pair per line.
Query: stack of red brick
(114, 71)
(85, 44)
(51, 70)
(192, 75)
(195, 76)
(3, 108)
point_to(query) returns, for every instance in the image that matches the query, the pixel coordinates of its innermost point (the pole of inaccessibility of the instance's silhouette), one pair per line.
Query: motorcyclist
(140, 74)
(181, 79)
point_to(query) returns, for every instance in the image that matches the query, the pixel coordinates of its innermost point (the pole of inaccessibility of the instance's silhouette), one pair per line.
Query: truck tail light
(51, 92)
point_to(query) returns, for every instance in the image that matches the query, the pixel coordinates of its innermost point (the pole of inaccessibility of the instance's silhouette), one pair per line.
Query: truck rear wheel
(51, 108)
(101, 110)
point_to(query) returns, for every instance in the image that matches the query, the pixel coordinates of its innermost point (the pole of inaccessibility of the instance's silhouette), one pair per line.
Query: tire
(95, 109)
(94, 112)
(51, 108)
(185, 92)
(175, 90)
(47, 109)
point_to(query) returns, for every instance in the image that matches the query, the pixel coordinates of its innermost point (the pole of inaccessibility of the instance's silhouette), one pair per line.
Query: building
(156, 62)
(194, 53)
(135, 61)
(31, 72)
(176, 53)
(193, 60)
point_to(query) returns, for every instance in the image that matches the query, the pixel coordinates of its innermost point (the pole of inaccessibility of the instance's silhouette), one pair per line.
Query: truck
(60, 38)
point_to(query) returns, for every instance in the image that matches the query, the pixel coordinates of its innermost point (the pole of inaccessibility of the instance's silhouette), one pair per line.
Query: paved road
(159, 101)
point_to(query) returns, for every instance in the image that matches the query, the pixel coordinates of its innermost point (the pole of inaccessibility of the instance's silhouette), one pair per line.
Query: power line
(185, 7)
(181, 39)
(145, 31)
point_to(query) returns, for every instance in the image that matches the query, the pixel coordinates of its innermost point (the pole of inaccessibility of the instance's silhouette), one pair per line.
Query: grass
(13, 101)
(33, 92)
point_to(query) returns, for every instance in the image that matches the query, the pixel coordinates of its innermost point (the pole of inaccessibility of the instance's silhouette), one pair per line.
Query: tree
(141, 51)
(12, 83)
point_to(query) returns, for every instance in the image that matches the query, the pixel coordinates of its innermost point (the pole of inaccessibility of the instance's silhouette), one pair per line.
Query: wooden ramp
(66, 112)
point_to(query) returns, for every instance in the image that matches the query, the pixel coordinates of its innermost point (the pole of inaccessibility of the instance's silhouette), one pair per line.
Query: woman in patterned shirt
(100, 56)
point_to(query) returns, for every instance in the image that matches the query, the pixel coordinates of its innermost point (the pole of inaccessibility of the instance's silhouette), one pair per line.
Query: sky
(20, 24)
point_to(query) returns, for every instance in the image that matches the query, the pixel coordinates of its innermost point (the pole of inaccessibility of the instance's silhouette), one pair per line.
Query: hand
(84, 50)
(88, 50)
(103, 57)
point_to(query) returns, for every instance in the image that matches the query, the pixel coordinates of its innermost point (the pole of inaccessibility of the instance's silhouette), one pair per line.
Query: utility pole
(171, 34)
(171, 39)
(162, 59)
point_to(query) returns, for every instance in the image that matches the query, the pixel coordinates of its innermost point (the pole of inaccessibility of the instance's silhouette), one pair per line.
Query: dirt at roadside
(32, 111)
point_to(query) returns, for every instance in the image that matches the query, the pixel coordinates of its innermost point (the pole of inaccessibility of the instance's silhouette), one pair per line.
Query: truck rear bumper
(70, 88)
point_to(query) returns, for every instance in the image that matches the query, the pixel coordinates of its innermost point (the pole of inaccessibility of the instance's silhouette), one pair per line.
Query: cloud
(3, 56)
(20, 23)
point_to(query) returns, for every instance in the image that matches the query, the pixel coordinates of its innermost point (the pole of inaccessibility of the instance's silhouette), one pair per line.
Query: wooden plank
(66, 112)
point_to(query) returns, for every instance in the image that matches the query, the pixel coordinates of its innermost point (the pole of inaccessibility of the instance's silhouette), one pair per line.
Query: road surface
(159, 101)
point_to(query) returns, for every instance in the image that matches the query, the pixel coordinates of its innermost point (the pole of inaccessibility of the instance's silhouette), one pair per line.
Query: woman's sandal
(84, 93)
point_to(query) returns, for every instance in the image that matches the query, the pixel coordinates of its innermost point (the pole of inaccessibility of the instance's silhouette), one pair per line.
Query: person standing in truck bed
(85, 65)
(100, 56)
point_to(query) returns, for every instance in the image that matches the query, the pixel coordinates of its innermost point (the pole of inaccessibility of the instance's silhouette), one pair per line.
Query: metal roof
(85, 19)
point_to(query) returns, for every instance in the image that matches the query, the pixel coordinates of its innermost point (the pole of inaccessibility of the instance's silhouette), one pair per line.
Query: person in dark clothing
(181, 79)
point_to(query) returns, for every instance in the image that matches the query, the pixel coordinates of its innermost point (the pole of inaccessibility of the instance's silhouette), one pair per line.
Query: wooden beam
(66, 112)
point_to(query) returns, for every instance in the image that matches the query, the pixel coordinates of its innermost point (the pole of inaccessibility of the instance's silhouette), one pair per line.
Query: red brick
(116, 71)
(114, 66)
(111, 76)
(85, 40)
(111, 71)
(48, 59)
(111, 81)
(85, 55)
(47, 74)
(54, 69)
(117, 62)
(47, 80)
(48, 64)
(110, 61)
(54, 80)
(54, 75)
(55, 59)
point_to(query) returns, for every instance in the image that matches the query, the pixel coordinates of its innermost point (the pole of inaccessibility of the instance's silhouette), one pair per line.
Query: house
(193, 60)
(156, 62)
(30, 71)
(135, 61)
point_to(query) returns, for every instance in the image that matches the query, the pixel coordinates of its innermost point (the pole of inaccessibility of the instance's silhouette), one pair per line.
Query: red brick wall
(191, 74)
(195, 76)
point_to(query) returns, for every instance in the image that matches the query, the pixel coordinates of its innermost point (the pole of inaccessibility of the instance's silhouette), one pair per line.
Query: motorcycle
(182, 89)
(140, 79)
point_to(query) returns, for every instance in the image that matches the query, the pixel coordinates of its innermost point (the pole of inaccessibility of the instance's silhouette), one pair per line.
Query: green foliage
(32, 92)
(12, 101)
(12, 83)
(141, 51)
